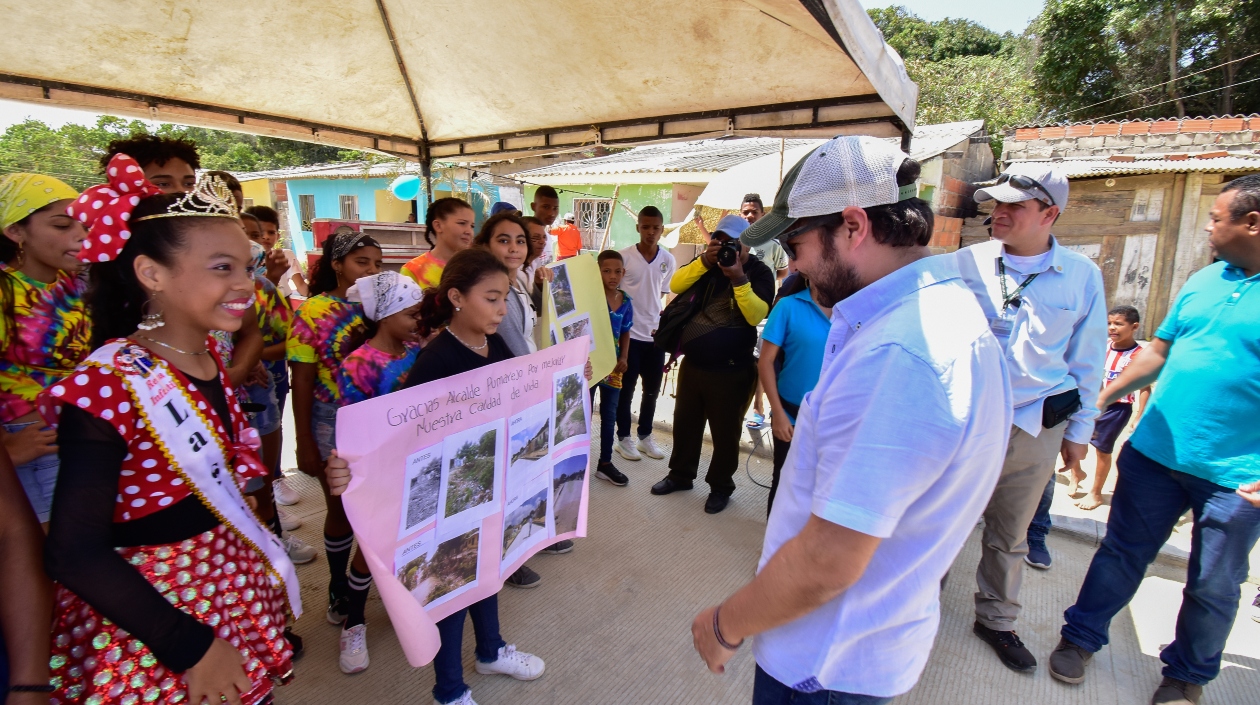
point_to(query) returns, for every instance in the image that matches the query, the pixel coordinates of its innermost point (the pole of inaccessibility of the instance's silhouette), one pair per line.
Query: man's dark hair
(1130, 314)
(546, 192)
(753, 198)
(228, 180)
(651, 212)
(906, 223)
(531, 220)
(151, 149)
(266, 214)
(1247, 199)
(611, 254)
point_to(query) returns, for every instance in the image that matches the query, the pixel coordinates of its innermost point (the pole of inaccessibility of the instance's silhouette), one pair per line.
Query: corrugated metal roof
(699, 155)
(1069, 123)
(930, 140)
(1154, 164)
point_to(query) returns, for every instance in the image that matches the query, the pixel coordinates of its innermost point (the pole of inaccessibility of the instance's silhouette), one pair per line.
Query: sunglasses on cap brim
(1025, 183)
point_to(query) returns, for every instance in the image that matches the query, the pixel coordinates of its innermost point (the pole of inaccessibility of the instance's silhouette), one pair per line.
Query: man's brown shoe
(1067, 662)
(1174, 692)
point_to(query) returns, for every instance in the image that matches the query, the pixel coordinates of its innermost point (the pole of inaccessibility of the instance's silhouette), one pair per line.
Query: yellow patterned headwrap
(22, 194)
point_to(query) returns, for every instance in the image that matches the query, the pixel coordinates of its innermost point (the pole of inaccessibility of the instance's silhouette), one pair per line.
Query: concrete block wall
(1189, 135)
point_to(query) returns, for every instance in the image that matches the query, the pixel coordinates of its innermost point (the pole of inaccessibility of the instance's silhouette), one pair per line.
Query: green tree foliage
(72, 152)
(998, 89)
(917, 39)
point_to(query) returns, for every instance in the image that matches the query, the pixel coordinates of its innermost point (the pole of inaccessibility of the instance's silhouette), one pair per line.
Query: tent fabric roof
(468, 78)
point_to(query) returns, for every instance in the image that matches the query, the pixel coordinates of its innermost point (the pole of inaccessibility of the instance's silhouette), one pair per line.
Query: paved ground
(612, 618)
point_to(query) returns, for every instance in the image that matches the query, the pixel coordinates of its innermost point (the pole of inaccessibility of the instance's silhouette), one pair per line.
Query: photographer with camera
(722, 295)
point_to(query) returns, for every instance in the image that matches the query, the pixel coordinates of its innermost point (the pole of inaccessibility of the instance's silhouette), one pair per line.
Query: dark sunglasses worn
(1025, 183)
(803, 227)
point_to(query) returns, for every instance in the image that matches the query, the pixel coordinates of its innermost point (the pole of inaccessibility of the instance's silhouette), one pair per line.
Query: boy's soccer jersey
(1117, 360)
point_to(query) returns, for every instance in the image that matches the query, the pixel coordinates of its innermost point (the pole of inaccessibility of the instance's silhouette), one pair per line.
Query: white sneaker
(465, 699)
(288, 522)
(299, 552)
(518, 664)
(625, 448)
(284, 494)
(354, 652)
(650, 449)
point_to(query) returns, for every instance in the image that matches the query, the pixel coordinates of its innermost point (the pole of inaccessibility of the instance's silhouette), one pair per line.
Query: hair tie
(106, 209)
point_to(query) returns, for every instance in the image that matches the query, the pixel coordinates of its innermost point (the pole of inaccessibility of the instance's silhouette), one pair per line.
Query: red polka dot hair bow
(106, 209)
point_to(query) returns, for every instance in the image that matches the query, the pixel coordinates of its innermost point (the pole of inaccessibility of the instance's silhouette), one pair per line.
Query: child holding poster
(621, 315)
(326, 329)
(379, 366)
(470, 302)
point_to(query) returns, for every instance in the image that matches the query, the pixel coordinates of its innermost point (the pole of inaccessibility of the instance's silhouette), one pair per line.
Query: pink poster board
(458, 482)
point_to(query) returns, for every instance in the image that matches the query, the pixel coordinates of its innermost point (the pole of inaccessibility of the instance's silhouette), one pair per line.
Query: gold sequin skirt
(214, 577)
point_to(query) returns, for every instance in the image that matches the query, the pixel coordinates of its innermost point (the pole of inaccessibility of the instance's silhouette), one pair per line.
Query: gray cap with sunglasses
(839, 173)
(1024, 181)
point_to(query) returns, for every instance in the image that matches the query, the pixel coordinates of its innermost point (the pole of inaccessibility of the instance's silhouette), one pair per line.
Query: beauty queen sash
(199, 454)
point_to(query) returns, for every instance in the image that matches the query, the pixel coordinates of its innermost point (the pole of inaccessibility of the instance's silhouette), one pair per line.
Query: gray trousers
(1029, 465)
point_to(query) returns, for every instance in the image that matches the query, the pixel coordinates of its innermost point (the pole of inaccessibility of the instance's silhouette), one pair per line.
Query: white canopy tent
(466, 79)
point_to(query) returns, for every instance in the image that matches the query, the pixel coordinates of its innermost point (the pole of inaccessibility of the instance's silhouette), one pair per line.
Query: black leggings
(780, 454)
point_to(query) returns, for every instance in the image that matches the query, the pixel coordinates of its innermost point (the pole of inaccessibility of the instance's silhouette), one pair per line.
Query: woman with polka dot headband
(169, 587)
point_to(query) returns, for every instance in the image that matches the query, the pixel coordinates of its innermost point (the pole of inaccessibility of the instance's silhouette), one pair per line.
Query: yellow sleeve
(406, 272)
(687, 275)
(751, 305)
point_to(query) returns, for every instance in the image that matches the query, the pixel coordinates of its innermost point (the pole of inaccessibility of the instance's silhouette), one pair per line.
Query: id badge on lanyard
(1002, 325)
(1004, 322)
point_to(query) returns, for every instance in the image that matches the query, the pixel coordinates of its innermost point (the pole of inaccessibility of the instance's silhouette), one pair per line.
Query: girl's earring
(456, 308)
(150, 320)
(21, 256)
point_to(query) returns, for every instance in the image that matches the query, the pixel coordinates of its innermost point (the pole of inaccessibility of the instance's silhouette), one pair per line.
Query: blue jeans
(38, 477)
(768, 691)
(646, 362)
(1040, 526)
(608, 397)
(324, 427)
(448, 665)
(1148, 501)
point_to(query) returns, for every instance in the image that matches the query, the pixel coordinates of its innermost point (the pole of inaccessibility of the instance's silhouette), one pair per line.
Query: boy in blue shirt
(621, 315)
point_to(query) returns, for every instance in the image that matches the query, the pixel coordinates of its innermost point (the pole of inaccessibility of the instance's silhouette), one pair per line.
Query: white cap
(569, 216)
(1051, 178)
(842, 172)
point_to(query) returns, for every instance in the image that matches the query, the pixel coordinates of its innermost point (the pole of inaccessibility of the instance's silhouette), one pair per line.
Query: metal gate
(592, 219)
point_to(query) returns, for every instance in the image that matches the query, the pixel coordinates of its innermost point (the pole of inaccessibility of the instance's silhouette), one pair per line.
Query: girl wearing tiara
(379, 366)
(43, 323)
(171, 590)
(326, 329)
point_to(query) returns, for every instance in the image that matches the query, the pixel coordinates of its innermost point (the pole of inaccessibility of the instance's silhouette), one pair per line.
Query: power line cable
(1174, 100)
(1171, 80)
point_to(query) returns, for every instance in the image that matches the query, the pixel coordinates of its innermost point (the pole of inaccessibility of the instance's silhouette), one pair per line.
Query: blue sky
(998, 15)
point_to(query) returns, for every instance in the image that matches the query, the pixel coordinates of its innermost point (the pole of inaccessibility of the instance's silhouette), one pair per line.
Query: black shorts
(1110, 423)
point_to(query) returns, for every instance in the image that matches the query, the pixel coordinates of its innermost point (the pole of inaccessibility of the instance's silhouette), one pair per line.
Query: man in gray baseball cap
(894, 453)
(1046, 306)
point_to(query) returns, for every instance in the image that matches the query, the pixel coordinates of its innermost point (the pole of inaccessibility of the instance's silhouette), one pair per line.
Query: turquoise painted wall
(636, 196)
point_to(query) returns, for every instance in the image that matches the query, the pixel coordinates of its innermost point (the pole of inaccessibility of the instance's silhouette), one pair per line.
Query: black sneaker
(295, 642)
(607, 471)
(559, 547)
(716, 503)
(338, 609)
(667, 486)
(523, 578)
(1010, 650)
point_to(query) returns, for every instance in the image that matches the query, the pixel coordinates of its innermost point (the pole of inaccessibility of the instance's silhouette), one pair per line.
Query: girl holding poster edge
(390, 302)
(160, 558)
(326, 329)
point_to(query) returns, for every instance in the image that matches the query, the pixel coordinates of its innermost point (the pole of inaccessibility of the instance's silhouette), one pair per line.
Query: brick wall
(946, 232)
(954, 199)
(1134, 137)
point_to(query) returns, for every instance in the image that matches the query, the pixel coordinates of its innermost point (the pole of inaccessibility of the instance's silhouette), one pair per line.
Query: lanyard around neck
(1013, 297)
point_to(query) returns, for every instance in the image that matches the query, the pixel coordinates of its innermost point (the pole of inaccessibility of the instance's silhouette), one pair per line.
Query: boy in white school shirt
(649, 268)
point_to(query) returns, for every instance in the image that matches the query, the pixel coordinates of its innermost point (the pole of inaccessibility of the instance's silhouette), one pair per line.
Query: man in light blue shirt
(1198, 448)
(895, 451)
(1046, 306)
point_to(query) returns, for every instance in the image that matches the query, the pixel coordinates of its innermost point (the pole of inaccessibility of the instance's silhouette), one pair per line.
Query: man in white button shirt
(895, 451)
(1046, 306)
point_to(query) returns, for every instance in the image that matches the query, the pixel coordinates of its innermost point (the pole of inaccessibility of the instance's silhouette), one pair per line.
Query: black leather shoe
(1010, 650)
(716, 503)
(667, 485)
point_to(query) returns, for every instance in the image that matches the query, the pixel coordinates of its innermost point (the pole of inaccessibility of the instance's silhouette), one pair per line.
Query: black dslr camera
(728, 255)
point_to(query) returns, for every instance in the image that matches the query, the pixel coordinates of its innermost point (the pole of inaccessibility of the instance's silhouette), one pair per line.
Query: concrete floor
(612, 618)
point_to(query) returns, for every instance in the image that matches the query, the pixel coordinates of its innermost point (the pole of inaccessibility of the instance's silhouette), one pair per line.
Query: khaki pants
(1028, 467)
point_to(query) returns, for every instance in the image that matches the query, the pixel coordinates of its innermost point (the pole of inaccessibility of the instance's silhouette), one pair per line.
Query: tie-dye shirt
(274, 317)
(369, 372)
(426, 270)
(326, 329)
(49, 336)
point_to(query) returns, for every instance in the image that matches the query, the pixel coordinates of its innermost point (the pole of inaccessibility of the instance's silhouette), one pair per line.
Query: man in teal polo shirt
(1197, 444)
